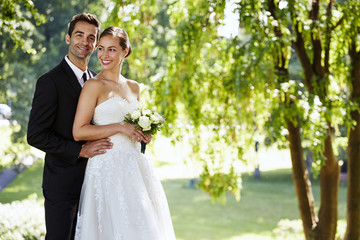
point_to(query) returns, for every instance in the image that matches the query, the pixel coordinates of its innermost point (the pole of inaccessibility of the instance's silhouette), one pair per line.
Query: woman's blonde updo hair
(121, 34)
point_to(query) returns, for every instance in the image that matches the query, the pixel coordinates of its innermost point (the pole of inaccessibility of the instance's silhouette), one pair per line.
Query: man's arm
(40, 132)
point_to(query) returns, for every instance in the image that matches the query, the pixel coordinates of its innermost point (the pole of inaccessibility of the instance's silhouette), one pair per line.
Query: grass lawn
(264, 203)
(25, 184)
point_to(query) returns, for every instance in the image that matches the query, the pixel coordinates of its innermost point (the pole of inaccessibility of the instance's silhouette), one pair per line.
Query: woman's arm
(83, 130)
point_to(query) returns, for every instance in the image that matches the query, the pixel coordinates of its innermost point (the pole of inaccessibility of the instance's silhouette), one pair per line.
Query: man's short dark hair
(84, 17)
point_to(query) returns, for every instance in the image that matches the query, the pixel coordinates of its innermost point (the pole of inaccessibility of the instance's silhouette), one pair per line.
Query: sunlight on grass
(250, 236)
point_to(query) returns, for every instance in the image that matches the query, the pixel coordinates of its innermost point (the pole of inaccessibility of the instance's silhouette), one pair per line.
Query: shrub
(22, 220)
(292, 229)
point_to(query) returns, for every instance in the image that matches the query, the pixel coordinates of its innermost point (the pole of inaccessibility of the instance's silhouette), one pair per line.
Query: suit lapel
(71, 78)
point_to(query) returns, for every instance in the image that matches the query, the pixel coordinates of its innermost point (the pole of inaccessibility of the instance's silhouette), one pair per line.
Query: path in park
(7, 176)
(10, 173)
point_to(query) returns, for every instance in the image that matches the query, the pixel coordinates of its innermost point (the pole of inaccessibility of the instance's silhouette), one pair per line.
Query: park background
(245, 86)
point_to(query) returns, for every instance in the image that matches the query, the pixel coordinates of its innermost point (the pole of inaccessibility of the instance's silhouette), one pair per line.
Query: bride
(121, 198)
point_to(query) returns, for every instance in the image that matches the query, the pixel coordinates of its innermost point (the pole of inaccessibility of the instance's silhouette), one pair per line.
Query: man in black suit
(50, 128)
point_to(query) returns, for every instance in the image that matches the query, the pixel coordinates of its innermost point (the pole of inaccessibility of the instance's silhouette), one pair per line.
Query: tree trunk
(325, 227)
(353, 196)
(301, 181)
(329, 182)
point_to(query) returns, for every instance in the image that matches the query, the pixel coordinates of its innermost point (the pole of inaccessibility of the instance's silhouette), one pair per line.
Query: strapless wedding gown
(121, 198)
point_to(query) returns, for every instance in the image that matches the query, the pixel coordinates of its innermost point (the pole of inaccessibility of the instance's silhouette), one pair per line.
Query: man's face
(82, 41)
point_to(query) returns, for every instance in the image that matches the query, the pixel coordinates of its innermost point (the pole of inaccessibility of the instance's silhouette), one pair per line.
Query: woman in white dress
(121, 197)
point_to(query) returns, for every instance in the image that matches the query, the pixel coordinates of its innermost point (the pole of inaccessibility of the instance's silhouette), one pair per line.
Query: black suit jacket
(50, 129)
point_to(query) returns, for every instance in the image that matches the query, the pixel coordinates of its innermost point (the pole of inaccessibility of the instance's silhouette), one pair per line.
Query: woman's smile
(106, 62)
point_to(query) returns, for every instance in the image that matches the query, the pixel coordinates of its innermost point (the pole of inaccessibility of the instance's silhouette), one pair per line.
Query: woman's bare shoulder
(134, 85)
(99, 83)
(94, 86)
(94, 82)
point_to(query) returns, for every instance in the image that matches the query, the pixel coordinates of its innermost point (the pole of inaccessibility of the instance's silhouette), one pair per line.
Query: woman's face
(110, 54)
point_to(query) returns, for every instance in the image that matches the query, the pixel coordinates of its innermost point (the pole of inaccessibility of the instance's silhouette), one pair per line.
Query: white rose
(154, 119)
(135, 115)
(144, 123)
(146, 112)
(161, 119)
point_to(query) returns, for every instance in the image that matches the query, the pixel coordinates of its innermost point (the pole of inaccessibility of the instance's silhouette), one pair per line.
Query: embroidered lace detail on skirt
(121, 197)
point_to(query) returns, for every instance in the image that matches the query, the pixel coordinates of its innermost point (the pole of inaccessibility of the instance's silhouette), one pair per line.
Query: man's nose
(85, 40)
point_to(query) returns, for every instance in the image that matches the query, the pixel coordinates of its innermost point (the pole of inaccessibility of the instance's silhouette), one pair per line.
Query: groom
(50, 128)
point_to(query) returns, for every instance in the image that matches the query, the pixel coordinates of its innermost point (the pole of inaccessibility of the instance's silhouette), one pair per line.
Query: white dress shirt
(78, 72)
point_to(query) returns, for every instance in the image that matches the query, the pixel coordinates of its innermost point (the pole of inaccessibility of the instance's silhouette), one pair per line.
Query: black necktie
(84, 77)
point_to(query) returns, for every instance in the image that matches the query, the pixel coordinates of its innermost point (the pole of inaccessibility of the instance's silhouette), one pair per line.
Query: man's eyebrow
(79, 32)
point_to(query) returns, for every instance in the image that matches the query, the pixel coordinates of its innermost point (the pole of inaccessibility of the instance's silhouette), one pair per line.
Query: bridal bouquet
(147, 120)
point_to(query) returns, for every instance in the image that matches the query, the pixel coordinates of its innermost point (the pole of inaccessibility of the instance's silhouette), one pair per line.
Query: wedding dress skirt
(121, 197)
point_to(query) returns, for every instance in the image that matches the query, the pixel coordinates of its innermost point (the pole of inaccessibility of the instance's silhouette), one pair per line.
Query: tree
(18, 20)
(17, 28)
(198, 98)
(147, 25)
(350, 40)
(317, 71)
(309, 29)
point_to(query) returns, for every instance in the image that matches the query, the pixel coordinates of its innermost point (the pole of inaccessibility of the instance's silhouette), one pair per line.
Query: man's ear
(67, 38)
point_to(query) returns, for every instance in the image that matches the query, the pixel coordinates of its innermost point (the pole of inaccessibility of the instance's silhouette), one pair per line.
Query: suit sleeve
(40, 132)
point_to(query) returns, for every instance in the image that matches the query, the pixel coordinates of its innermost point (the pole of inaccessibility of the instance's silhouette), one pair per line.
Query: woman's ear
(126, 52)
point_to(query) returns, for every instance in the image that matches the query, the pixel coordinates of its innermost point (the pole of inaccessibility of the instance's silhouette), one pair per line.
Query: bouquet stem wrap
(143, 147)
